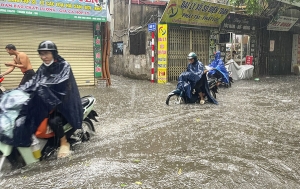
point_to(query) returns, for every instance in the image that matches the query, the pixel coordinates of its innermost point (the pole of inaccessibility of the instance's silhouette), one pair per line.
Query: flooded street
(250, 140)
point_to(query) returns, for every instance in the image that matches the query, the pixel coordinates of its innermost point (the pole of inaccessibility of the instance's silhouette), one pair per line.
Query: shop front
(191, 26)
(279, 46)
(72, 25)
(237, 39)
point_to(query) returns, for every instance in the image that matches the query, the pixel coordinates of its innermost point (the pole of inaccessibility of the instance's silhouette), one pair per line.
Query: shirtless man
(21, 61)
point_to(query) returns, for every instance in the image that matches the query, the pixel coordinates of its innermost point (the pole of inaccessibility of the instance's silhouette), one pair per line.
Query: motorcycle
(47, 150)
(180, 97)
(224, 76)
(221, 80)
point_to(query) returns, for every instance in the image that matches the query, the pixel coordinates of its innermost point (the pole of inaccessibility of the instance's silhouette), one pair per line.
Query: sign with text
(97, 49)
(195, 12)
(151, 27)
(162, 75)
(239, 24)
(86, 10)
(249, 60)
(162, 52)
(272, 45)
(283, 23)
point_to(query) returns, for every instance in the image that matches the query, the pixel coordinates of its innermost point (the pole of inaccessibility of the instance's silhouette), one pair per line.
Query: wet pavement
(250, 140)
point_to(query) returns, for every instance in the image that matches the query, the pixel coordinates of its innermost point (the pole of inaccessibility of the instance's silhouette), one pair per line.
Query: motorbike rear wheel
(173, 99)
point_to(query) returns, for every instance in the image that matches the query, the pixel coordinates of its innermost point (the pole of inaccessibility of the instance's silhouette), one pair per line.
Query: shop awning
(195, 12)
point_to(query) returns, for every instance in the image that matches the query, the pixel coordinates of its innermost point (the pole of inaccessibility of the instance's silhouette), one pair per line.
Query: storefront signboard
(239, 24)
(162, 47)
(195, 12)
(249, 60)
(282, 23)
(86, 10)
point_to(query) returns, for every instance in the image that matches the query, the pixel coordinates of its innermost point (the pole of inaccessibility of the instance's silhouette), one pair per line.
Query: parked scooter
(180, 97)
(220, 77)
(28, 154)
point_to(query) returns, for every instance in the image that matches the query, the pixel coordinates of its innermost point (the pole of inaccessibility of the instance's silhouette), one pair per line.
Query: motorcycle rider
(222, 73)
(55, 90)
(196, 67)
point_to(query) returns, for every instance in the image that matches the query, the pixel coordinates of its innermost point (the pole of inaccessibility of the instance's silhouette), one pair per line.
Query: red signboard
(249, 60)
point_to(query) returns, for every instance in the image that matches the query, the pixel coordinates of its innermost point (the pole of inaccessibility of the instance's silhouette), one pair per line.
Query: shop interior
(237, 46)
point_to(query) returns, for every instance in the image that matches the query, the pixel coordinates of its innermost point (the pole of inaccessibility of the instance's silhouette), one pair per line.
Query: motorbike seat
(84, 101)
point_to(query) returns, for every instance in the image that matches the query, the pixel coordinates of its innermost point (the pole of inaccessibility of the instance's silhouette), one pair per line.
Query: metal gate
(29, 31)
(181, 42)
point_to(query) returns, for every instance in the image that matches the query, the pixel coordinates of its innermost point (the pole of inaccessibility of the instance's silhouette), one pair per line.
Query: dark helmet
(192, 55)
(48, 46)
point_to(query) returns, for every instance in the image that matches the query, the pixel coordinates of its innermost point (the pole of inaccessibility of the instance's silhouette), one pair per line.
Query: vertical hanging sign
(162, 53)
(97, 50)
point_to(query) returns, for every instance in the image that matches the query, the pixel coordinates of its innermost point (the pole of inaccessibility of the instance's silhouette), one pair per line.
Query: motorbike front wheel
(88, 129)
(174, 99)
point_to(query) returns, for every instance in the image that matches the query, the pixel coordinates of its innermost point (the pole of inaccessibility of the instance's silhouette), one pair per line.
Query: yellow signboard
(195, 12)
(162, 55)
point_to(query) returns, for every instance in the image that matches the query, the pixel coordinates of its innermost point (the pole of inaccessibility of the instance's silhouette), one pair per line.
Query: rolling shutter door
(74, 40)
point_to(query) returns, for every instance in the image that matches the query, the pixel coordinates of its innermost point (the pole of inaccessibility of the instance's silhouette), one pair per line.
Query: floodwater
(250, 140)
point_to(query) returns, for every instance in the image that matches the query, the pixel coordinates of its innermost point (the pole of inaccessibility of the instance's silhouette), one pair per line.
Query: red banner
(249, 60)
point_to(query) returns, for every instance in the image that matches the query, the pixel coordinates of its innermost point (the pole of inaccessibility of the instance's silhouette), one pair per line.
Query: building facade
(71, 25)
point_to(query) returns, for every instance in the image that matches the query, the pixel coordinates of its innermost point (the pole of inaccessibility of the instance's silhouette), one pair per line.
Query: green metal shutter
(74, 40)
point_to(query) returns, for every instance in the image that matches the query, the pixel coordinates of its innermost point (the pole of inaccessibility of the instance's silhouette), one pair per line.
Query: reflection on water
(249, 140)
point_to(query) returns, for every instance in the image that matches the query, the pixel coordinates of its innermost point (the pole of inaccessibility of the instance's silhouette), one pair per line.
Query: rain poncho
(53, 87)
(218, 64)
(188, 79)
(10, 106)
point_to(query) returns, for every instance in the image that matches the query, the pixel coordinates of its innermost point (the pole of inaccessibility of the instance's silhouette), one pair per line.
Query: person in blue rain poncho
(194, 78)
(219, 68)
